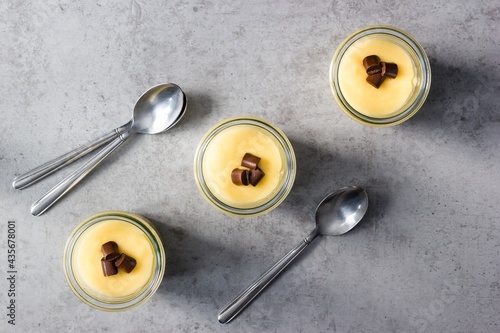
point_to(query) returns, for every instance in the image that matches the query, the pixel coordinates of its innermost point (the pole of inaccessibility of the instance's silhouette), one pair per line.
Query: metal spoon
(338, 213)
(42, 171)
(157, 110)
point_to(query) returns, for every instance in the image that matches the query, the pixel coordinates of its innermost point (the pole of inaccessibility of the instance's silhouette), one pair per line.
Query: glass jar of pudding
(397, 99)
(134, 236)
(221, 151)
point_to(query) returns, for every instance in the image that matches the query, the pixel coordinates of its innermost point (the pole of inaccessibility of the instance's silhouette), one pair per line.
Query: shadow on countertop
(462, 101)
(197, 267)
(199, 106)
(320, 172)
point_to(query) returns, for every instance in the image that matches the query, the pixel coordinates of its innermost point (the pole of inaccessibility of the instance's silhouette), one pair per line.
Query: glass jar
(228, 141)
(137, 237)
(348, 89)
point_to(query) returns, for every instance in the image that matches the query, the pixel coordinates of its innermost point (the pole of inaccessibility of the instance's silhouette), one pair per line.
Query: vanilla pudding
(127, 286)
(392, 94)
(225, 152)
(87, 259)
(222, 150)
(396, 99)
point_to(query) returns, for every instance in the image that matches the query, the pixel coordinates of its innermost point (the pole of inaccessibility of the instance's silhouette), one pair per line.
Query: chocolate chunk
(125, 263)
(110, 251)
(389, 69)
(375, 80)
(108, 267)
(372, 64)
(239, 177)
(255, 176)
(375, 69)
(250, 161)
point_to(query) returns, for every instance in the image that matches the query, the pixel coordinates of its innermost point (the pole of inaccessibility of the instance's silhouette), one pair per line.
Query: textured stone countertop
(426, 258)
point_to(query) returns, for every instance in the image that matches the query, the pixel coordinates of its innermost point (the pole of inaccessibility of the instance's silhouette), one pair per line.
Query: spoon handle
(49, 198)
(57, 163)
(231, 310)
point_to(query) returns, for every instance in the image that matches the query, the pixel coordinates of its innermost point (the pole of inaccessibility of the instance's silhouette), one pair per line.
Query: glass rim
(125, 302)
(283, 142)
(422, 63)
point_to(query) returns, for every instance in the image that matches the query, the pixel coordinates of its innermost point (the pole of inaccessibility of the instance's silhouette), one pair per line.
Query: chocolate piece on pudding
(110, 251)
(255, 176)
(375, 79)
(250, 161)
(108, 267)
(372, 64)
(378, 70)
(239, 177)
(389, 69)
(245, 177)
(125, 263)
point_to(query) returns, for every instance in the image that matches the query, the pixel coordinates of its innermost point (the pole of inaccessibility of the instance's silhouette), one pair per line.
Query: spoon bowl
(159, 108)
(337, 213)
(341, 210)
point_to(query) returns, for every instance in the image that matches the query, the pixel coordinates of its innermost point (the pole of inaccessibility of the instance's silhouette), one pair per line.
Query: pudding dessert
(392, 94)
(224, 153)
(245, 166)
(87, 259)
(114, 260)
(378, 98)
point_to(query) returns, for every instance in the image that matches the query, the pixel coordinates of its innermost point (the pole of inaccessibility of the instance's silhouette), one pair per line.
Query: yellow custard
(87, 259)
(393, 94)
(225, 152)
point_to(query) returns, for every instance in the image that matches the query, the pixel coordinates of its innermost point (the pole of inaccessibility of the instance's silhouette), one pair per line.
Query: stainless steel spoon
(338, 213)
(42, 171)
(157, 110)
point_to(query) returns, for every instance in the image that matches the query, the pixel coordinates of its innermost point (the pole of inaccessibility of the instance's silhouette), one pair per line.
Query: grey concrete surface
(425, 259)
